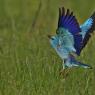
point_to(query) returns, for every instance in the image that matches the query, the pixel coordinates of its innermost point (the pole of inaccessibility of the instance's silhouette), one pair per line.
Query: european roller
(71, 38)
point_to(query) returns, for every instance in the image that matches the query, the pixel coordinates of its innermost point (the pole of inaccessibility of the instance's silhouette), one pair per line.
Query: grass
(28, 64)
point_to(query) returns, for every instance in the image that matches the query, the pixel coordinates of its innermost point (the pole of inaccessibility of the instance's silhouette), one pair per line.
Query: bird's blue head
(54, 41)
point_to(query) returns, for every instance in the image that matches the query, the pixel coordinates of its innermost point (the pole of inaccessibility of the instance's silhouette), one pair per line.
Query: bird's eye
(52, 38)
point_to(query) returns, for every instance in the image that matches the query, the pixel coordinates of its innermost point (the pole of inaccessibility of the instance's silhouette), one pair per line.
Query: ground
(28, 63)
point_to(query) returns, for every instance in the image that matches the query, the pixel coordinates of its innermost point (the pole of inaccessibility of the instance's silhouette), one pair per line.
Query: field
(28, 63)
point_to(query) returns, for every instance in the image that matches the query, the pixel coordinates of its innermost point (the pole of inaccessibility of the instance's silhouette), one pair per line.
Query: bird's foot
(64, 72)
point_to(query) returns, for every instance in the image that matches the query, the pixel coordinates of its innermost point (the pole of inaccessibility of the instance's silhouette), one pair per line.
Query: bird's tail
(80, 64)
(84, 65)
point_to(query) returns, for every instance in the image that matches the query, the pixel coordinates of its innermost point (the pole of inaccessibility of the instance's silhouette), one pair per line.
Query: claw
(64, 72)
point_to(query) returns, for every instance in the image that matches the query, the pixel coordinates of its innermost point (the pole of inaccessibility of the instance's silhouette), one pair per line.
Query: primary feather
(69, 22)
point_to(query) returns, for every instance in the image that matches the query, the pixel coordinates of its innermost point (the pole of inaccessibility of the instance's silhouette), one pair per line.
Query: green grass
(28, 64)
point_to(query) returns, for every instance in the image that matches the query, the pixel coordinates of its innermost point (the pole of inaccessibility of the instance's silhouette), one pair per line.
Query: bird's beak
(49, 36)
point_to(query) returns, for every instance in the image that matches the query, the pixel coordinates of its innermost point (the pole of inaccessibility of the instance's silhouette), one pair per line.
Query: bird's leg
(63, 70)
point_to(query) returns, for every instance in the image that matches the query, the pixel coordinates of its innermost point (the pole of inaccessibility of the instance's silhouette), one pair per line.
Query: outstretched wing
(87, 28)
(69, 22)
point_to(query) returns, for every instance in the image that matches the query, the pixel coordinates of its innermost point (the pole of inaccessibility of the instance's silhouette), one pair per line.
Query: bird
(71, 38)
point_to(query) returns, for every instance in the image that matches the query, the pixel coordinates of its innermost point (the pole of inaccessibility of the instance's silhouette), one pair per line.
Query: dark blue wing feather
(69, 22)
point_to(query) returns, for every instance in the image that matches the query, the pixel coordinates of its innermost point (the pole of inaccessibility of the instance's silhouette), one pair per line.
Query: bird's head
(53, 40)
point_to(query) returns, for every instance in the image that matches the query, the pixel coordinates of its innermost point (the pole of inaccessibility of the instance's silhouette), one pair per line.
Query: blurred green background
(28, 64)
